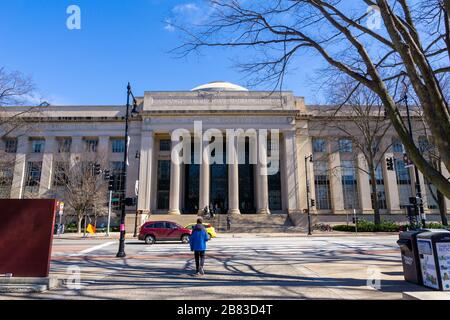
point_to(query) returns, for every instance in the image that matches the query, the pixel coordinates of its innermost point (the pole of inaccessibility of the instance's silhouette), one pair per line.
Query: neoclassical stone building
(164, 187)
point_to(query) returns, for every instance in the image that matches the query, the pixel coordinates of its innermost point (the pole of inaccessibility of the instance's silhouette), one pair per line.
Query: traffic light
(111, 183)
(313, 203)
(97, 169)
(390, 164)
(106, 175)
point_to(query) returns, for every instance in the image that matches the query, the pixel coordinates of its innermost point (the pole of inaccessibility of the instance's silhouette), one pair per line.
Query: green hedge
(72, 228)
(385, 226)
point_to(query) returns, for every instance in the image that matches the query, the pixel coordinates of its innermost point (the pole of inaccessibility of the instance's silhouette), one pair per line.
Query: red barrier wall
(26, 235)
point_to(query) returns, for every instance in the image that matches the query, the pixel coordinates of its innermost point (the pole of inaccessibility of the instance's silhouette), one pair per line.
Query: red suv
(153, 231)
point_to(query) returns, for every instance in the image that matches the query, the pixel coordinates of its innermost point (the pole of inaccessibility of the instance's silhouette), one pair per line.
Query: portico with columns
(234, 185)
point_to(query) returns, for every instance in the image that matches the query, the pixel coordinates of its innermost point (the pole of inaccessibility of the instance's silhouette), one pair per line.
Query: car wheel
(150, 239)
(185, 238)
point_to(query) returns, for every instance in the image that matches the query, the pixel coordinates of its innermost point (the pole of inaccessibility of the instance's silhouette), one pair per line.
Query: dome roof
(219, 86)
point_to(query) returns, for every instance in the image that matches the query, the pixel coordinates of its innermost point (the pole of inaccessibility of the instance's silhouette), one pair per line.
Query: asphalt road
(239, 267)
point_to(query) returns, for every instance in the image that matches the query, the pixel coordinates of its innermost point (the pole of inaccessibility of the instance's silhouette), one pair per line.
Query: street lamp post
(121, 252)
(310, 158)
(416, 171)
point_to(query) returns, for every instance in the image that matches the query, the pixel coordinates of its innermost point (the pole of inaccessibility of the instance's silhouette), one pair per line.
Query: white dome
(219, 86)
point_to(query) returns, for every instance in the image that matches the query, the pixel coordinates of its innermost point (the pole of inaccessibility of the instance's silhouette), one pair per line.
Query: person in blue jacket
(198, 245)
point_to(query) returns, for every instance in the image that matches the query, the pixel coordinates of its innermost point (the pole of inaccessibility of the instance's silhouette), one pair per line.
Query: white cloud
(185, 8)
(186, 14)
(168, 25)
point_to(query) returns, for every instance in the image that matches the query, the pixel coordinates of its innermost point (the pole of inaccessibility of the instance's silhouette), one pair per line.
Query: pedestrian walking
(198, 245)
(228, 222)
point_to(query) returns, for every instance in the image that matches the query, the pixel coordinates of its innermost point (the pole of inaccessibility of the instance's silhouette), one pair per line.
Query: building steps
(244, 223)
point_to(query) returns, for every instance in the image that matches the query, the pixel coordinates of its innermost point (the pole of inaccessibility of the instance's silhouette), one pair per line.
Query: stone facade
(166, 187)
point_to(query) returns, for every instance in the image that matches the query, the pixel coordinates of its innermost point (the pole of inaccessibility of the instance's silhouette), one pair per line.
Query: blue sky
(119, 41)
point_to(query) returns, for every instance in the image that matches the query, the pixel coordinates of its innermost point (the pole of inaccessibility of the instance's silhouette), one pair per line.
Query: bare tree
(362, 119)
(406, 47)
(15, 90)
(81, 187)
(426, 146)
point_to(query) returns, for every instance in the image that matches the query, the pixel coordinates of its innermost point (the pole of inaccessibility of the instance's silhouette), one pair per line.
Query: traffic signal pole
(416, 171)
(121, 252)
(109, 213)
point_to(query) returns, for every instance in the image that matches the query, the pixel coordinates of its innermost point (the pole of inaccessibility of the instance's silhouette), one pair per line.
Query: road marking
(86, 251)
(100, 246)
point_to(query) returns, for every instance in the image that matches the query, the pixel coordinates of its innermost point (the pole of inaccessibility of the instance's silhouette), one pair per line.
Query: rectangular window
(425, 145)
(165, 145)
(118, 145)
(163, 184)
(91, 145)
(6, 178)
(431, 192)
(345, 145)
(349, 185)
(403, 182)
(322, 185)
(397, 145)
(60, 177)
(10, 145)
(319, 145)
(37, 145)
(64, 145)
(381, 193)
(33, 174)
(116, 170)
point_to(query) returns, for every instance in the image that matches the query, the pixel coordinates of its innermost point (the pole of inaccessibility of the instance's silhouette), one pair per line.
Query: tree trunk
(441, 205)
(79, 221)
(373, 186)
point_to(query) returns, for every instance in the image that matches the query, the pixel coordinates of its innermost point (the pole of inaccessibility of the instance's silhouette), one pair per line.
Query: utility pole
(416, 171)
(109, 213)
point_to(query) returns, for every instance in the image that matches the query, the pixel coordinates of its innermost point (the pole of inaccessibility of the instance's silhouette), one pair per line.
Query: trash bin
(410, 256)
(434, 255)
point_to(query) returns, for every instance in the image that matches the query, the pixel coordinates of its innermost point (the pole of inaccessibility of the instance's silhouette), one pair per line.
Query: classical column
(204, 178)
(364, 187)
(77, 149)
(47, 167)
(145, 171)
(262, 180)
(290, 174)
(390, 184)
(175, 181)
(305, 150)
(233, 177)
(103, 150)
(337, 193)
(19, 168)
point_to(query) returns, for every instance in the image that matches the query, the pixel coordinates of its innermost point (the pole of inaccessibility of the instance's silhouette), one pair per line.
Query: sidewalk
(116, 235)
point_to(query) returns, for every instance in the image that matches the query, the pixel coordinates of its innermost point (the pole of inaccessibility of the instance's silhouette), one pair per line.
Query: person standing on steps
(198, 245)
(228, 222)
